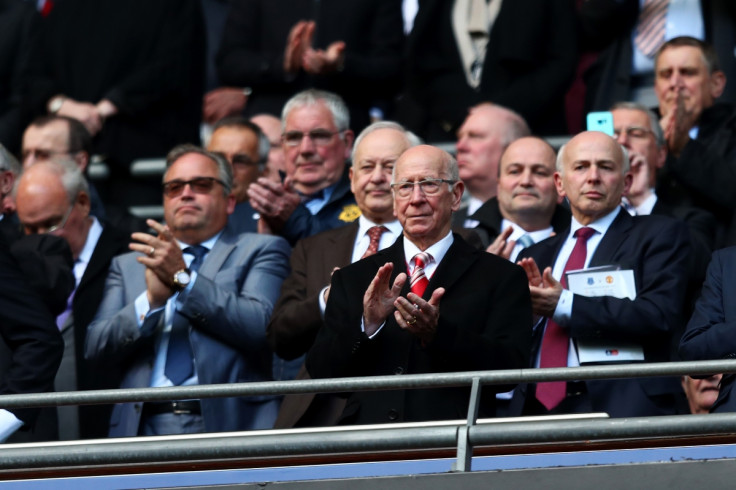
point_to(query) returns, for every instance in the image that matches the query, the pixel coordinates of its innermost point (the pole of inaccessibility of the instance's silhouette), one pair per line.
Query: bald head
(52, 197)
(526, 188)
(481, 140)
(592, 172)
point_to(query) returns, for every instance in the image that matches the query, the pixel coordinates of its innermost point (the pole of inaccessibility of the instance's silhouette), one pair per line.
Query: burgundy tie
(418, 280)
(374, 233)
(651, 26)
(556, 340)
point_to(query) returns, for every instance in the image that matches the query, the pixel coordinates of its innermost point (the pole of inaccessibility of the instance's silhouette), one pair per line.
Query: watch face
(182, 279)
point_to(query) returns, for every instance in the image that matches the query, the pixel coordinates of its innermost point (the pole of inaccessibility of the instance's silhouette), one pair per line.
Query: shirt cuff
(143, 309)
(563, 312)
(322, 302)
(9, 423)
(362, 328)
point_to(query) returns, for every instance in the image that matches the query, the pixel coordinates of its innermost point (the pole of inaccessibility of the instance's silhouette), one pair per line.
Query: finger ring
(416, 306)
(412, 321)
(151, 251)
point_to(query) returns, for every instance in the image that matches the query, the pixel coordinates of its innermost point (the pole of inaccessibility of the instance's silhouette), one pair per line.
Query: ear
(560, 188)
(457, 195)
(717, 83)
(82, 159)
(350, 176)
(84, 201)
(230, 204)
(628, 180)
(7, 179)
(349, 137)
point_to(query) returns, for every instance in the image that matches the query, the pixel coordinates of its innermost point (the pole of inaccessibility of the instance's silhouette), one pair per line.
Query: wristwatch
(182, 278)
(55, 104)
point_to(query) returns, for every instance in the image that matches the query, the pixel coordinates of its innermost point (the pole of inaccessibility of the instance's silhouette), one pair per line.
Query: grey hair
(8, 162)
(411, 138)
(334, 103)
(563, 149)
(224, 168)
(653, 120)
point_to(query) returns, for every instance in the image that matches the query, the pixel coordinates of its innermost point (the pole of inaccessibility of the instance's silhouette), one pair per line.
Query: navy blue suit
(710, 334)
(656, 249)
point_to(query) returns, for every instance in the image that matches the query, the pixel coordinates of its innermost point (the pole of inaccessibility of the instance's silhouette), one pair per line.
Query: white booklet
(605, 281)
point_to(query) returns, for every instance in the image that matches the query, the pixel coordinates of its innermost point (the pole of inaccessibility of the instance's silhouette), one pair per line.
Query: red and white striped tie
(418, 280)
(651, 26)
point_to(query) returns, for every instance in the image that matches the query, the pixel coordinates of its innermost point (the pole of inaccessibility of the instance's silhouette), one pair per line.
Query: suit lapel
(615, 237)
(219, 253)
(459, 257)
(108, 245)
(340, 248)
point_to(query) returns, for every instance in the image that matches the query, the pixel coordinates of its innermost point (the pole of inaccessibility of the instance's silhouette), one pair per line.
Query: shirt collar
(93, 236)
(600, 225)
(208, 244)
(437, 250)
(364, 224)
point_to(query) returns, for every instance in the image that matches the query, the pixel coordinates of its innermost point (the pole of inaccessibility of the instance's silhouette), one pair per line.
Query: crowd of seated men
(311, 232)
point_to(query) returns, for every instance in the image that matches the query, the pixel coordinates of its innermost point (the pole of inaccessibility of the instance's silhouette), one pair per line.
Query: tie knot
(375, 232)
(198, 251)
(584, 233)
(525, 240)
(421, 259)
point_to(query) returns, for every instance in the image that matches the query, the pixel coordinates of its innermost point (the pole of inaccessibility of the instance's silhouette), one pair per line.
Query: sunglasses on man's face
(199, 185)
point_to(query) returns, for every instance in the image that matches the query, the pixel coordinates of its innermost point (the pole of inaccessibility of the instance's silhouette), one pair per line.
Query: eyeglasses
(199, 185)
(320, 137)
(238, 158)
(632, 132)
(47, 228)
(429, 187)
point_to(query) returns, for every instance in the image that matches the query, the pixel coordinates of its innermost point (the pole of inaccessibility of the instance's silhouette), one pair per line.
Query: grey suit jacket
(228, 306)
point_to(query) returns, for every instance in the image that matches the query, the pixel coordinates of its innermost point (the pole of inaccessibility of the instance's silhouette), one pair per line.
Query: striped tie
(418, 280)
(651, 26)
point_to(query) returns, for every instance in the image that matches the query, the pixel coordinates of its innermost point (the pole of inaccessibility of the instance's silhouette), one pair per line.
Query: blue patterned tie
(179, 362)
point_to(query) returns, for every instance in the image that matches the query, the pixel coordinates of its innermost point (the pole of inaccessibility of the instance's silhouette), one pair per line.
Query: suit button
(393, 414)
(399, 370)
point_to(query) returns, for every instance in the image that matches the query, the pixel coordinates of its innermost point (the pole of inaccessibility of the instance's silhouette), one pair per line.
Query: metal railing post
(464, 446)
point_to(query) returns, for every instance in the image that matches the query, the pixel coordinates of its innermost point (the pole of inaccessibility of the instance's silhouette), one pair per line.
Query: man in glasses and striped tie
(429, 303)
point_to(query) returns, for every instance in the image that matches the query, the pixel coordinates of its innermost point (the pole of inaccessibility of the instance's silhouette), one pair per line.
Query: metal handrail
(433, 380)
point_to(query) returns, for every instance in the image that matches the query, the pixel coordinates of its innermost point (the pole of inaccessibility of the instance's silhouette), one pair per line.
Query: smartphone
(282, 175)
(600, 121)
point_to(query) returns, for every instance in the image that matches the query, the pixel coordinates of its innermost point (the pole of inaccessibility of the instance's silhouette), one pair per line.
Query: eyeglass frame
(51, 229)
(311, 136)
(171, 194)
(398, 186)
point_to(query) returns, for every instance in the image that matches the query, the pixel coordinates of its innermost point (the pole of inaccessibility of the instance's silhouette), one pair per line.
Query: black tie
(179, 363)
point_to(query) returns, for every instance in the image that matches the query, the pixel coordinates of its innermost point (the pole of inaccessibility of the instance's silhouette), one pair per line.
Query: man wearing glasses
(52, 198)
(429, 303)
(244, 145)
(315, 195)
(190, 305)
(637, 129)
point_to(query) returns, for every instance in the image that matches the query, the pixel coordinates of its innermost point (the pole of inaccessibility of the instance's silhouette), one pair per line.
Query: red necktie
(556, 340)
(651, 26)
(374, 233)
(418, 280)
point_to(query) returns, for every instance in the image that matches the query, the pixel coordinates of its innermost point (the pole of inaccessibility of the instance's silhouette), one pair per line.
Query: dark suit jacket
(705, 172)
(529, 76)
(253, 43)
(490, 219)
(710, 332)
(484, 324)
(94, 419)
(29, 331)
(297, 319)
(339, 210)
(656, 249)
